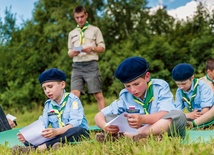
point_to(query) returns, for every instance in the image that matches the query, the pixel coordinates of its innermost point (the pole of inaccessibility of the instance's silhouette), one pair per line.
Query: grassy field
(167, 146)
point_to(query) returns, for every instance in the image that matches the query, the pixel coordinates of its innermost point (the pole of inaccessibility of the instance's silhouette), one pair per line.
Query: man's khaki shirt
(208, 82)
(93, 38)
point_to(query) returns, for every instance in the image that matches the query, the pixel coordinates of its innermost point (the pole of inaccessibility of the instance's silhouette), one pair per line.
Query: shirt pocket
(75, 38)
(90, 36)
(53, 120)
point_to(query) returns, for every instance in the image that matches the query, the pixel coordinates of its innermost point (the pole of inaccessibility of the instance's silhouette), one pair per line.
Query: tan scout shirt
(208, 82)
(93, 38)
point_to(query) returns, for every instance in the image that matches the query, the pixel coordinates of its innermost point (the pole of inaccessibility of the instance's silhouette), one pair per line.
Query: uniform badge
(132, 109)
(75, 105)
(51, 112)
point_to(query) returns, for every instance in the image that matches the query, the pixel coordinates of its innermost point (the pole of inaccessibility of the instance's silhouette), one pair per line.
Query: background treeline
(129, 29)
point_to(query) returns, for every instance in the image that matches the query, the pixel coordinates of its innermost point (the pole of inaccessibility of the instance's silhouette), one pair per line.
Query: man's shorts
(178, 125)
(86, 73)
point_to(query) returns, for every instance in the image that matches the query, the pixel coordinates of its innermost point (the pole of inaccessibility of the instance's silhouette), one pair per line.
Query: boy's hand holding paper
(12, 118)
(122, 122)
(33, 133)
(111, 128)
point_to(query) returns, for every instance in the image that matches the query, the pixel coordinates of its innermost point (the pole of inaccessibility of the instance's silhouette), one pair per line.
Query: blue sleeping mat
(199, 136)
(8, 138)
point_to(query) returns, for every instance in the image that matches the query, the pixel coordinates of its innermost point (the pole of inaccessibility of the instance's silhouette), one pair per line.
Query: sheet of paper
(122, 123)
(33, 133)
(78, 48)
(11, 117)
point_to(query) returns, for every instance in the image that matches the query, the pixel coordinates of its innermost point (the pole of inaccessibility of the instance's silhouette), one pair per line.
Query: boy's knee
(178, 125)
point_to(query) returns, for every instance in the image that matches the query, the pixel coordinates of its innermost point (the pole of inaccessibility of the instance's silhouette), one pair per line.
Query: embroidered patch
(52, 112)
(75, 105)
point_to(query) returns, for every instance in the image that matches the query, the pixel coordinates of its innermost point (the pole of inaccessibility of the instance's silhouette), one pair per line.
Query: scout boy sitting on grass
(192, 93)
(152, 100)
(68, 120)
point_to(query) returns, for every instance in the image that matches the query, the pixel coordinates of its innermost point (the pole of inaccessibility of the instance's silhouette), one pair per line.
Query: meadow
(125, 146)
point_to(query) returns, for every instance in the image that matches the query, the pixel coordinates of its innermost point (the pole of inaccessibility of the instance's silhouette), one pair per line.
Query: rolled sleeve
(99, 39)
(112, 108)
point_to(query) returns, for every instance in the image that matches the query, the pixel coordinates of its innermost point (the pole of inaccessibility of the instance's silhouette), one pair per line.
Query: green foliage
(128, 29)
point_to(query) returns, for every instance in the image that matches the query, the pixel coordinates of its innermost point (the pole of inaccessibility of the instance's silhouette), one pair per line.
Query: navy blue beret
(52, 74)
(182, 72)
(131, 68)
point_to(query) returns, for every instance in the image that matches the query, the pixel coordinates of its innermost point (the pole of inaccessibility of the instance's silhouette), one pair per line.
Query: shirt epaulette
(48, 101)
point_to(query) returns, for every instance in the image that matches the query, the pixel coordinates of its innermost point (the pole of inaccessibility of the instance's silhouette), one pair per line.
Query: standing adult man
(84, 44)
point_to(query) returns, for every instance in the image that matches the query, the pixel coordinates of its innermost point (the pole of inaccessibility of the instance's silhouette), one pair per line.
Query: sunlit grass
(126, 146)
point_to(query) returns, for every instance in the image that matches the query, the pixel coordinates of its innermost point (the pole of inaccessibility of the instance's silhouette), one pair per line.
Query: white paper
(11, 117)
(33, 133)
(78, 48)
(122, 123)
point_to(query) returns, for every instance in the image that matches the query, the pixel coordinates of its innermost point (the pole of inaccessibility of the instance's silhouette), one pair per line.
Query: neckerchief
(186, 99)
(149, 97)
(82, 30)
(61, 110)
(209, 79)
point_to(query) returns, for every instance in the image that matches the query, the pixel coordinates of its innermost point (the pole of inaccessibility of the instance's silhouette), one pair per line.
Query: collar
(62, 99)
(209, 79)
(191, 89)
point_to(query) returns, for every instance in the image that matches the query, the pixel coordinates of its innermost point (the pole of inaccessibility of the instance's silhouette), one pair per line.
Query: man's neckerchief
(82, 30)
(209, 79)
(61, 110)
(149, 97)
(186, 99)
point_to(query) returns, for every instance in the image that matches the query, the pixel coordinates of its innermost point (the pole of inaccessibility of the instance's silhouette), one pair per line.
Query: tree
(128, 29)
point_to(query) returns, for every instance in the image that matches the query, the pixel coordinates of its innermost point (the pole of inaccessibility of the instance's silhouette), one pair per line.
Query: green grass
(168, 146)
(171, 146)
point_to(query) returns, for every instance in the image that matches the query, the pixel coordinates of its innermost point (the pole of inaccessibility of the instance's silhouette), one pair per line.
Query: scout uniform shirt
(73, 113)
(163, 100)
(204, 97)
(207, 81)
(93, 37)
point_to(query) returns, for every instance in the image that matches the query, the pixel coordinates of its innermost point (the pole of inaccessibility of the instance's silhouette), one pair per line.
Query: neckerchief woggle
(209, 79)
(186, 99)
(61, 110)
(149, 97)
(82, 30)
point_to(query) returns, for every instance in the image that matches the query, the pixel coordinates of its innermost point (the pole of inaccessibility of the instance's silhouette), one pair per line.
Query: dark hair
(79, 9)
(143, 76)
(210, 64)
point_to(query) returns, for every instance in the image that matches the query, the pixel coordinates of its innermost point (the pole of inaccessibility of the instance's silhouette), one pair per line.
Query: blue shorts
(86, 73)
